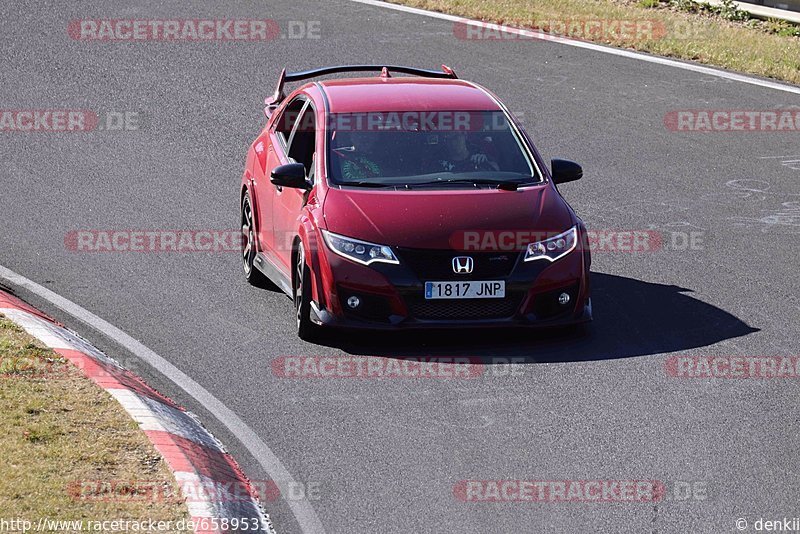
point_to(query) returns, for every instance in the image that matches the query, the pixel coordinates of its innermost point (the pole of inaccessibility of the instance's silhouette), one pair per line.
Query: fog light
(563, 299)
(353, 302)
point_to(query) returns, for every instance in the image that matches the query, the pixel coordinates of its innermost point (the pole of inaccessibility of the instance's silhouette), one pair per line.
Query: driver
(458, 157)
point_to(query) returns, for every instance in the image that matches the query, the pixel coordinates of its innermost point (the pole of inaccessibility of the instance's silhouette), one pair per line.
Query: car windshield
(426, 149)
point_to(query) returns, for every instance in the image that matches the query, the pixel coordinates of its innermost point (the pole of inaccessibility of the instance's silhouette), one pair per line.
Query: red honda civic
(409, 199)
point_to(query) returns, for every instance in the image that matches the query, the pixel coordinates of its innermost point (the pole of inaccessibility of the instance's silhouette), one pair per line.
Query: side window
(301, 142)
(287, 120)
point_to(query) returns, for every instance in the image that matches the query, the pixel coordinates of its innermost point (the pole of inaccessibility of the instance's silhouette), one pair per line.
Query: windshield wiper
(501, 184)
(365, 183)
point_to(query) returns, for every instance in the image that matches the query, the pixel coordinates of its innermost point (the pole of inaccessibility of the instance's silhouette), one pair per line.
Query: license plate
(465, 290)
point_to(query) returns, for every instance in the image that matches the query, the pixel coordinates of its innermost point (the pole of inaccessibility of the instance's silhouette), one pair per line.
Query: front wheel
(306, 329)
(251, 273)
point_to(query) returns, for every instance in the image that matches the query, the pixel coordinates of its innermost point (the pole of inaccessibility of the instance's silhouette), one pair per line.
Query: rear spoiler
(275, 100)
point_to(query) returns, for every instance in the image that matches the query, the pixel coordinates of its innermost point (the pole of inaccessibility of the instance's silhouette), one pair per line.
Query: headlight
(359, 251)
(553, 248)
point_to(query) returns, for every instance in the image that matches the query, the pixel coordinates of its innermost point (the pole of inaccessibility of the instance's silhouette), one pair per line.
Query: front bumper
(326, 319)
(392, 296)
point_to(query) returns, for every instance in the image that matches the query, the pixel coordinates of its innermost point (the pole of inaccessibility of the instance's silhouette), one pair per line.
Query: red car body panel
(437, 219)
(405, 94)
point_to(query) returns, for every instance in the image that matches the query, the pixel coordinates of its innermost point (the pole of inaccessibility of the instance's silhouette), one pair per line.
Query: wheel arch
(248, 190)
(307, 238)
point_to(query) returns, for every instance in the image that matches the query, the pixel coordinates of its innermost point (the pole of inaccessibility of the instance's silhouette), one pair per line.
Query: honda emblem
(463, 265)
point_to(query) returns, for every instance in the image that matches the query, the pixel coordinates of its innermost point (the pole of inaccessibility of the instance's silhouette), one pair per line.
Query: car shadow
(631, 318)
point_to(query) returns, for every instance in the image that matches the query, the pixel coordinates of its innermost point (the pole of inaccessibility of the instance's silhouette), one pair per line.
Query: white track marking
(38, 328)
(591, 46)
(193, 481)
(155, 415)
(301, 508)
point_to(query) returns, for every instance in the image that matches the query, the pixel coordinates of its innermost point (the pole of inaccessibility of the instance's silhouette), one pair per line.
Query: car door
(271, 152)
(288, 202)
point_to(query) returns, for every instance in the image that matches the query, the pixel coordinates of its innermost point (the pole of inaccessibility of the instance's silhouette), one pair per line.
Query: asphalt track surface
(384, 455)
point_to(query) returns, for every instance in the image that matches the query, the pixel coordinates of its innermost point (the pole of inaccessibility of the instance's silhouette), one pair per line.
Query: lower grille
(421, 308)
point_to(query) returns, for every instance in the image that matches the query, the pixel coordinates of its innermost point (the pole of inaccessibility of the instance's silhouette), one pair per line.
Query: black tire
(251, 273)
(306, 329)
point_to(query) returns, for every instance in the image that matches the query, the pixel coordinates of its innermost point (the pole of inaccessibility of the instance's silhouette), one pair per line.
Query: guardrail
(788, 10)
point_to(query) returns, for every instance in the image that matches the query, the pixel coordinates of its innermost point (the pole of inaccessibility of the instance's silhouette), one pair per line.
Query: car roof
(406, 93)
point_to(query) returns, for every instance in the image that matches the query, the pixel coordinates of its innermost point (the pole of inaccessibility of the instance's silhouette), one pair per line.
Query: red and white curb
(196, 458)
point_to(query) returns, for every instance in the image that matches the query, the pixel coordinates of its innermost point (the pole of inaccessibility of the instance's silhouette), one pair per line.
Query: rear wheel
(251, 273)
(306, 329)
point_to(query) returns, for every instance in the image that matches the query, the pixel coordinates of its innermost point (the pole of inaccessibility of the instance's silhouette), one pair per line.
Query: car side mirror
(290, 175)
(564, 171)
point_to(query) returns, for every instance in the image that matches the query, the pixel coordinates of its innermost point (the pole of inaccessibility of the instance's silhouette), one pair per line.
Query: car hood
(438, 219)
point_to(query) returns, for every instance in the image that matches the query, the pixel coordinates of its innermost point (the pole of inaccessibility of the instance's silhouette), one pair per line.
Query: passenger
(359, 159)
